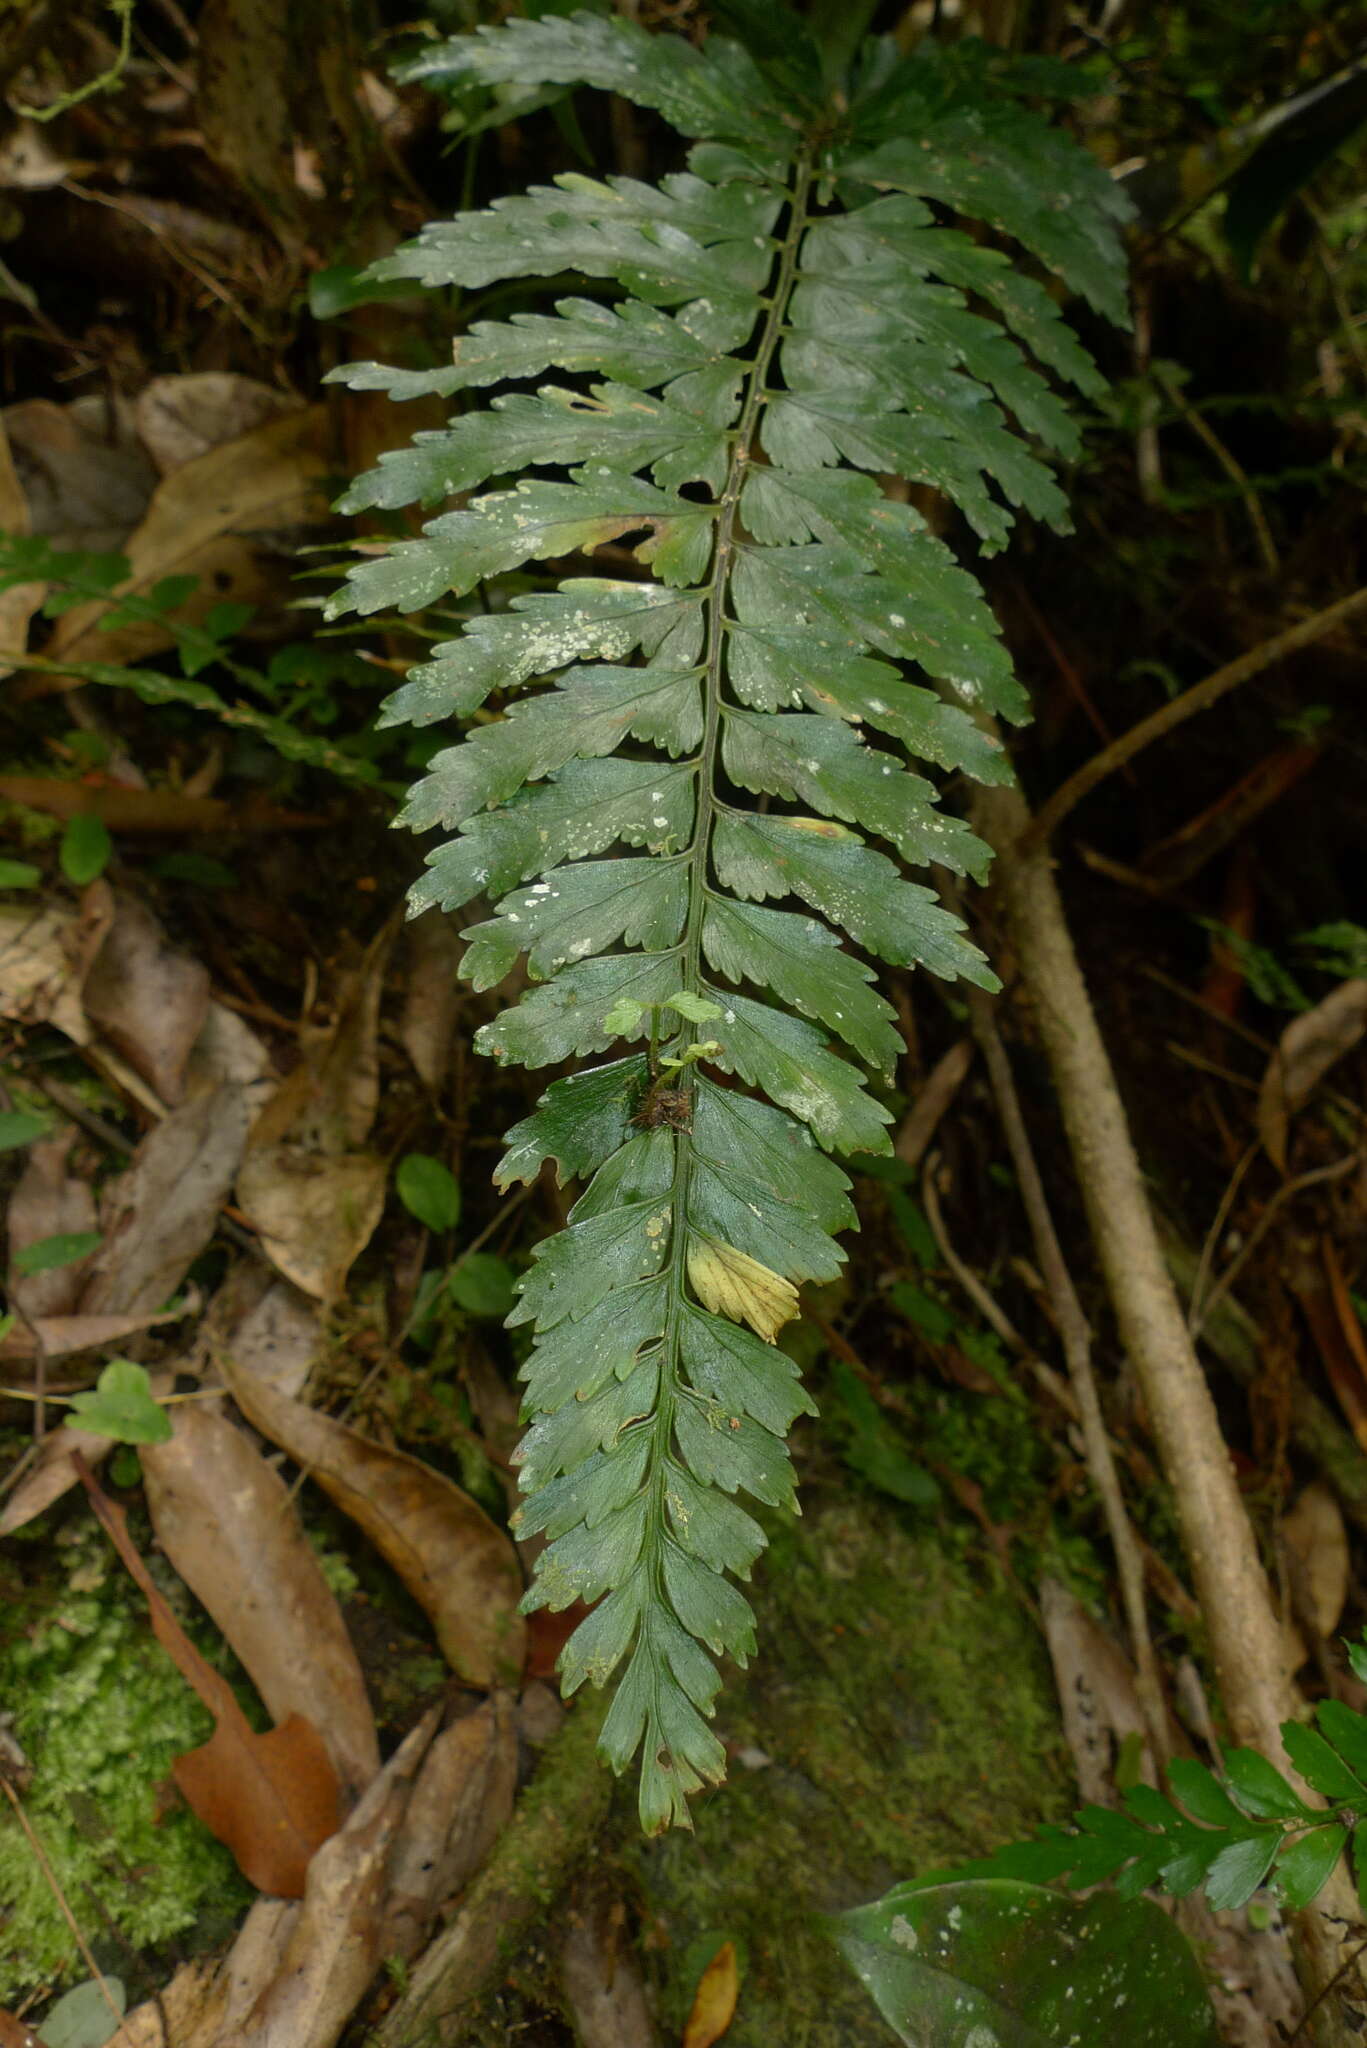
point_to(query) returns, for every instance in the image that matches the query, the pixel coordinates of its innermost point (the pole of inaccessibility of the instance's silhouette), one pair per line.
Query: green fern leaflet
(782, 326)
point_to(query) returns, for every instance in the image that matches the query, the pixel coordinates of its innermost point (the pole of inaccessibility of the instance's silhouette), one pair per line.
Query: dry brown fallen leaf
(86, 479)
(159, 1214)
(602, 1983)
(17, 2033)
(224, 1518)
(334, 1945)
(62, 1336)
(147, 999)
(265, 1325)
(228, 1050)
(431, 999)
(180, 2005)
(203, 2005)
(295, 1972)
(180, 418)
(1316, 1557)
(49, 1201)
(458, 1565)
(307, 1185)
(272, 1798)
(124, 809)
(206, 520)
(714, 2005)
(44, 953)
(461, 1803)
(1307, 1049)
(1095, 1683)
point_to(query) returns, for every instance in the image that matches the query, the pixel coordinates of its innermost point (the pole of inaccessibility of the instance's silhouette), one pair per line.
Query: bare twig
(1237, 475)
(1334, 1171)
(942, 1084)
(1196, 1307)
(994, 1316)
(1198, 698)
(1076, 1338)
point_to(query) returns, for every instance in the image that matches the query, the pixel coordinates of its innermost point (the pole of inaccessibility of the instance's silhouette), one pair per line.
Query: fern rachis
(790, 321)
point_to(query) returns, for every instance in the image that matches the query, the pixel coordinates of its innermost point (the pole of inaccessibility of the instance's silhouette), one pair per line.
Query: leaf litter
(273, 1797)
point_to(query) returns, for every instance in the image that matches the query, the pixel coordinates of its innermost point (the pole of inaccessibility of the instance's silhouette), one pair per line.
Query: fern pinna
(786, 324)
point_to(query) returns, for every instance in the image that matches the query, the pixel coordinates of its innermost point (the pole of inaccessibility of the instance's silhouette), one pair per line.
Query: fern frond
(789, 322)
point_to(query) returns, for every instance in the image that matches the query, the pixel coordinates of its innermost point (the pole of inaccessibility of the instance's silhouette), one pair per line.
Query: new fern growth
(783, 327)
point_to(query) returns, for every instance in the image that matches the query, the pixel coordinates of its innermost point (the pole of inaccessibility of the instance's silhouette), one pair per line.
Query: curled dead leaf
(1317, 1544)
(1307, 1049)
(731, 1283)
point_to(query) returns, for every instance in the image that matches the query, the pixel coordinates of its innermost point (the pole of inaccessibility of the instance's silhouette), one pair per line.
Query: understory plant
(746, 632)
(989, 1945)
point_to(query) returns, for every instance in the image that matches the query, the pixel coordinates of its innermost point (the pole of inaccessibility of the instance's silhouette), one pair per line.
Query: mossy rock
(907, 1711)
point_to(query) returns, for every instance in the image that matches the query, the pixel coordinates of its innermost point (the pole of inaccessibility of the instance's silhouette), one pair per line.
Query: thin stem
(1199, 697)
(1076, 1338)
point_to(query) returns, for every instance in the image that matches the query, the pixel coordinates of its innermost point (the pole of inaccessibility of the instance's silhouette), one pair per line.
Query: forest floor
(247, 1148)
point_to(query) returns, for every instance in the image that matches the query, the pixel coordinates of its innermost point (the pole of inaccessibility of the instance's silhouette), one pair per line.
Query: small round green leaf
(121, 1405)
(47, 1254)
(81, 2018)
(429, 1191)
(85, 849)
(483, 1285)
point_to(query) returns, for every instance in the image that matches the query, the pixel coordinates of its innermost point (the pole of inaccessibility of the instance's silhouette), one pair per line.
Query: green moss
(907, 1711)
(100, 1712)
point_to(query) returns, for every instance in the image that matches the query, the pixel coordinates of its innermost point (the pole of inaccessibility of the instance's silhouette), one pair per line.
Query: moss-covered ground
(99, 1713)
(906, 1708)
